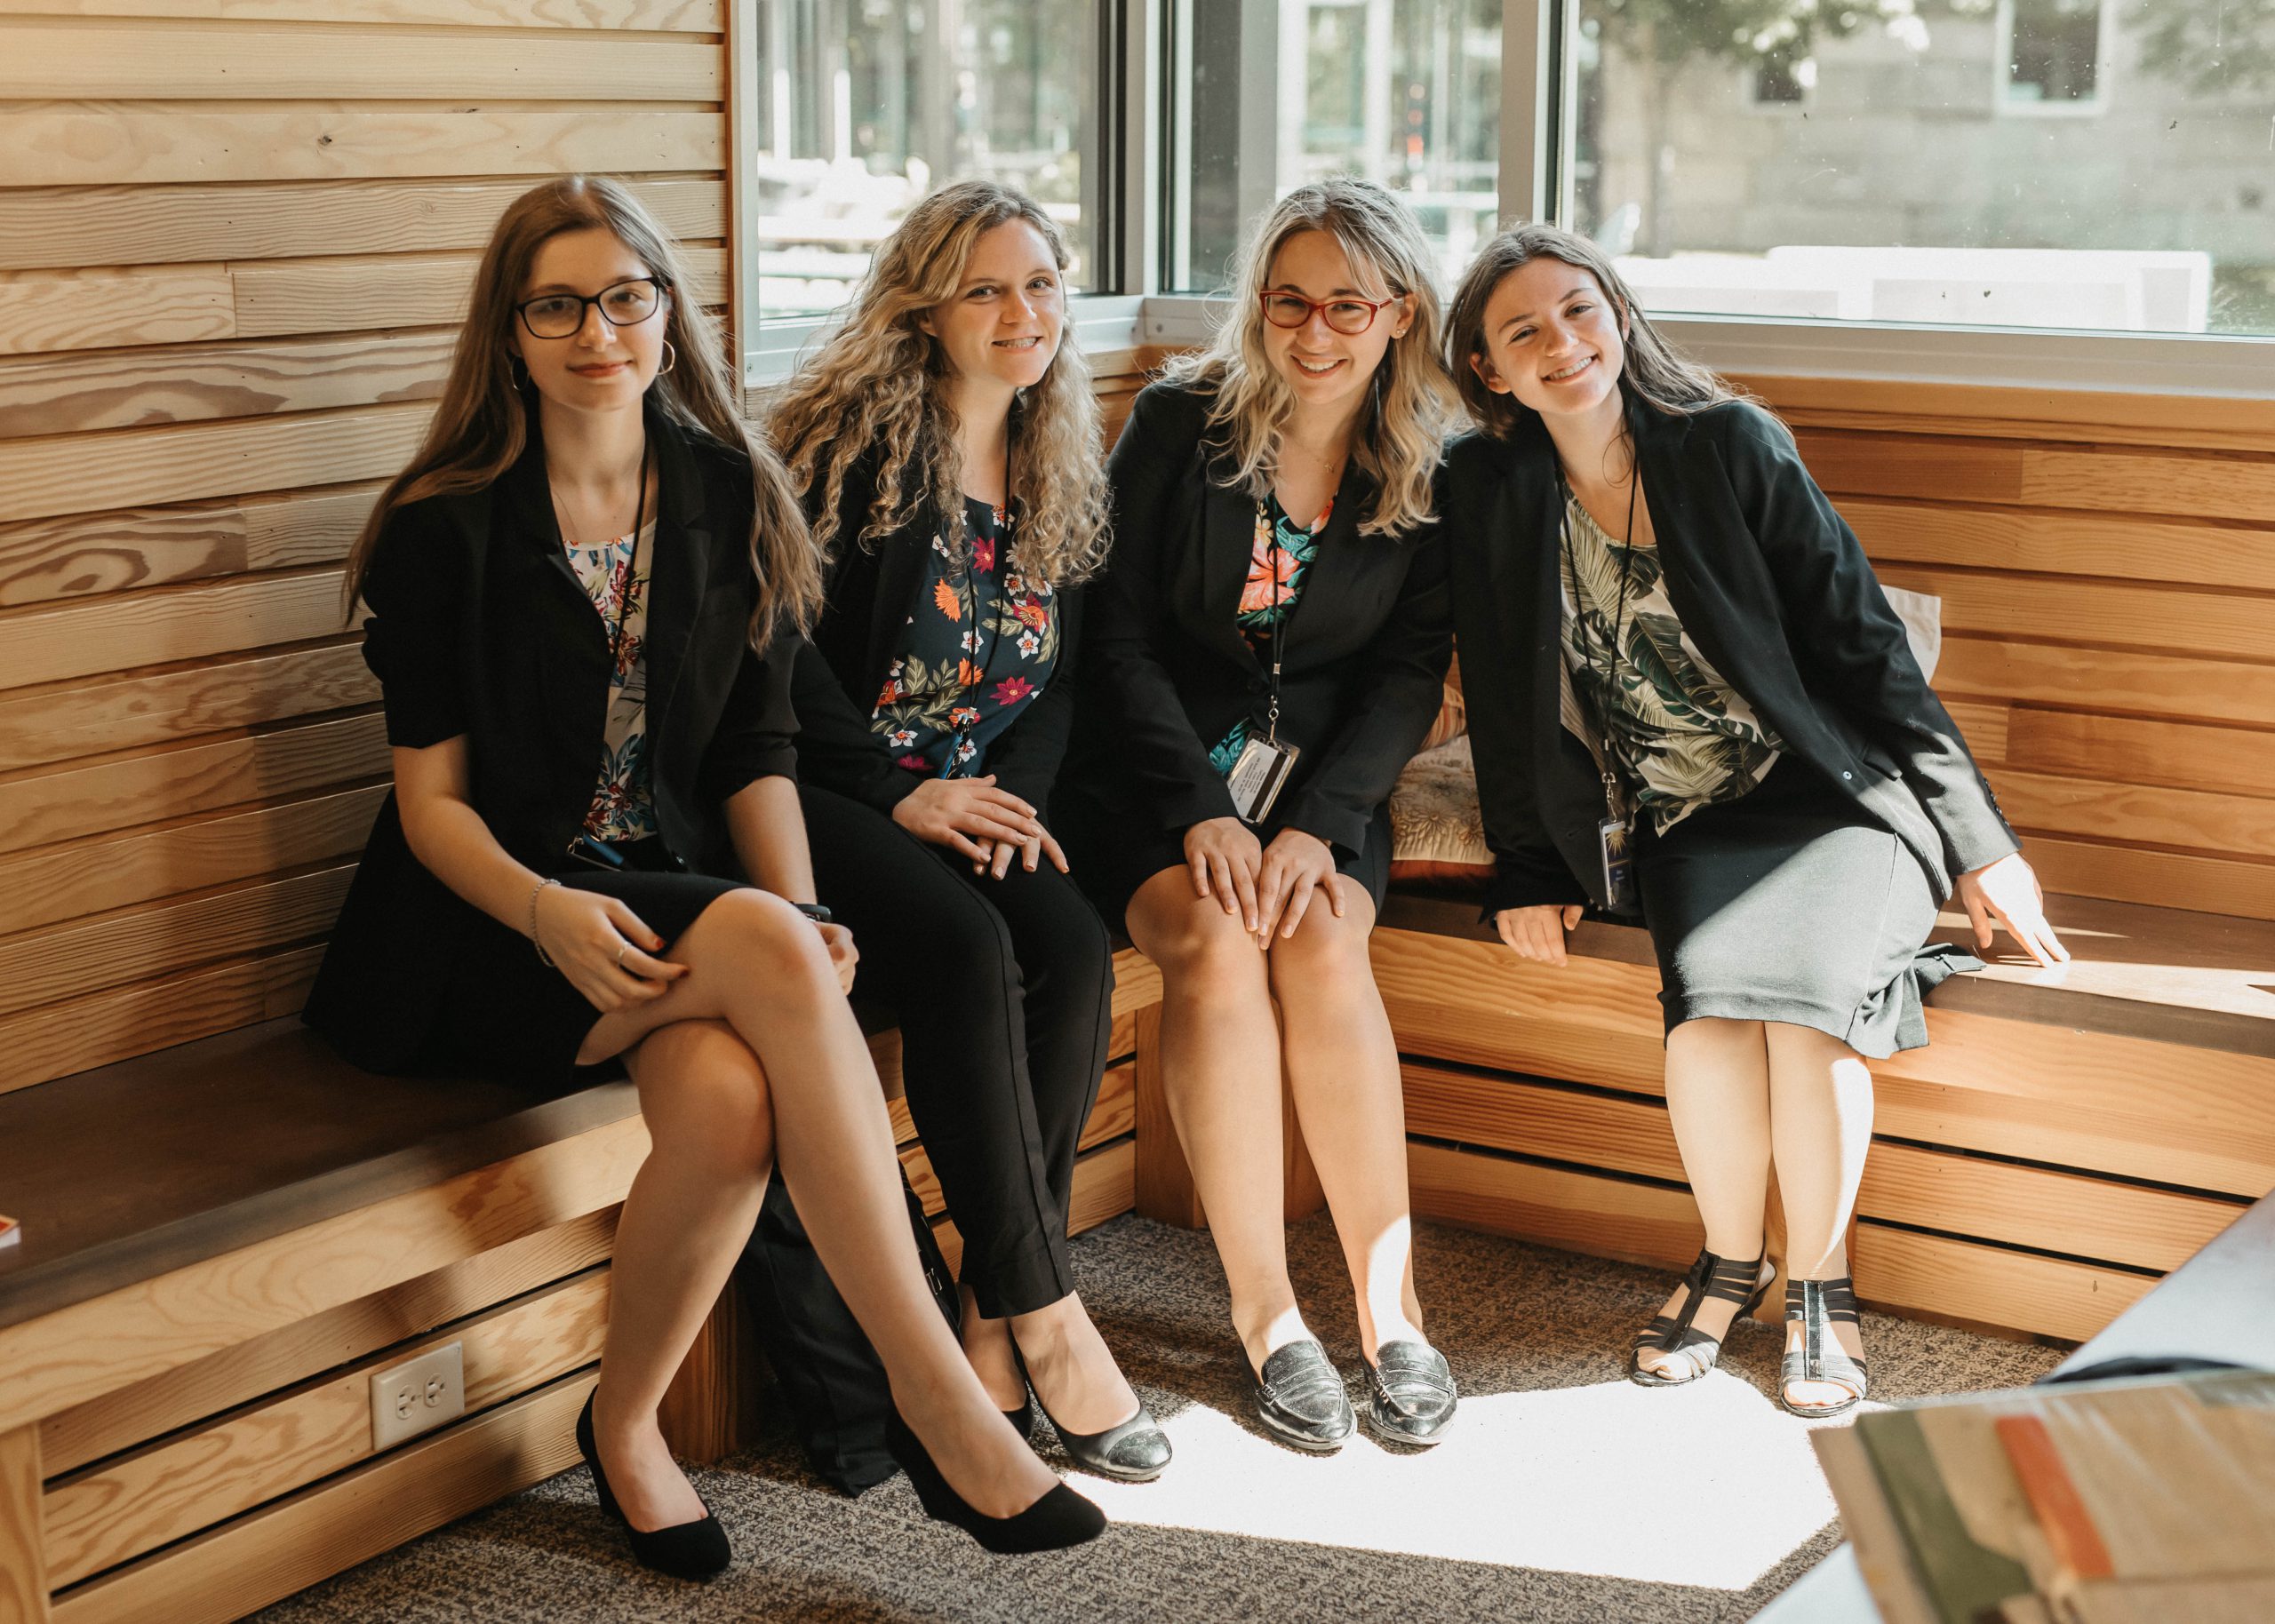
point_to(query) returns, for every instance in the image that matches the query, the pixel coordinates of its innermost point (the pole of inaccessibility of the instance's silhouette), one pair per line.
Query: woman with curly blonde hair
(946, 441)
(1267, 654)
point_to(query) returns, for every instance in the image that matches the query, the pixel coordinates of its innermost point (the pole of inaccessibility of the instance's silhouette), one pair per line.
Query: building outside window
(2050, 55)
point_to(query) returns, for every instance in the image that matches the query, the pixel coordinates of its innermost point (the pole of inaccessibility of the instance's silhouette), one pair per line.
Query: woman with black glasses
(585, 592)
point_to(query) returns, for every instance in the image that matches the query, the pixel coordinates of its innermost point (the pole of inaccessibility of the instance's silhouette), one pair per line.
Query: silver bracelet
(534, 942)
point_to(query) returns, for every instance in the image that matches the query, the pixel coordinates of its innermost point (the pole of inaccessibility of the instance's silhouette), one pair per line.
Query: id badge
(1613, 845)
(1256, 778)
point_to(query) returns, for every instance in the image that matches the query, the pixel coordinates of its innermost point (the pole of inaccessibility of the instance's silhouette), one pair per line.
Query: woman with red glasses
(1266, 651)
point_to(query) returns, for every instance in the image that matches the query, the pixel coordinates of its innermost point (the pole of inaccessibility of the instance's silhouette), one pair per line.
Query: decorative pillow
(1438, 836)
(1453, 712)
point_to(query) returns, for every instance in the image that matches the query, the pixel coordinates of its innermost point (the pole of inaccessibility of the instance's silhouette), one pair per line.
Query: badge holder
(1265, 763)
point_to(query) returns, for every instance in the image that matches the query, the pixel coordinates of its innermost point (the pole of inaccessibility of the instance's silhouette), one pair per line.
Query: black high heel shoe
(1818, 1304)
(1059, 1519)
(695, 1550)
(1134, 1450)
(1742, 1281)
(1022, 1418)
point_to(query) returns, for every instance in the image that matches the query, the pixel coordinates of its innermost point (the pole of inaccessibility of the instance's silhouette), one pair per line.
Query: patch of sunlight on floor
(1558, 1480)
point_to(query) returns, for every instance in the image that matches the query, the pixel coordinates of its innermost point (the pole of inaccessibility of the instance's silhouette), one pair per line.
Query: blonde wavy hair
(482, 425)
(881, 381)
(1410, 410)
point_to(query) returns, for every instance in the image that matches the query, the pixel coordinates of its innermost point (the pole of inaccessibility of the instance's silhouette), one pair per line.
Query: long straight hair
(481, 426)
(1410, 407)
(1653, 372)
(881, 383)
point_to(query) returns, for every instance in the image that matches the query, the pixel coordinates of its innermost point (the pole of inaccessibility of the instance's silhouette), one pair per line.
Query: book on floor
(2144, 1501)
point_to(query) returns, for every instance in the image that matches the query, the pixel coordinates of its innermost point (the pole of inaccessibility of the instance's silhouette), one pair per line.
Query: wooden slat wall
(2107, 567)
(234, 240)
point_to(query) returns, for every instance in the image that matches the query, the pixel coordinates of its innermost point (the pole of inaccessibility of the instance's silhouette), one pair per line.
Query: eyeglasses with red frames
(1349, 315)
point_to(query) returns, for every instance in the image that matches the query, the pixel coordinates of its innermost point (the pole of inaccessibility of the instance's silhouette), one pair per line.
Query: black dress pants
(1003, 989)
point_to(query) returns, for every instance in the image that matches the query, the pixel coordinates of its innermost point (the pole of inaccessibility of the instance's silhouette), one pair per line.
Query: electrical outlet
(418, 1395)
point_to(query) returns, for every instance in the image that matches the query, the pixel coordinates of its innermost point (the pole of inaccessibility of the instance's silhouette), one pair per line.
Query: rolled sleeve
(757, 733)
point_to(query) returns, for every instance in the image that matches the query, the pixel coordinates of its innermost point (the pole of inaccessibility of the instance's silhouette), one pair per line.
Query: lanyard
(1272, 562)
(1619, 624)
(631, 572)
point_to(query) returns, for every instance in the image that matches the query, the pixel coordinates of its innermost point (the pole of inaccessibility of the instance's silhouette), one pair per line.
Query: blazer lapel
(1227, 545)
(1340, 563)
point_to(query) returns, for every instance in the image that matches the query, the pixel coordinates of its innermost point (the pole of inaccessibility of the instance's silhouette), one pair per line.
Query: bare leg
(1220, 1067)
(1718, 1101)
(1821, 1122)
(758, 964)
(684, 1222)
(1342, 1068)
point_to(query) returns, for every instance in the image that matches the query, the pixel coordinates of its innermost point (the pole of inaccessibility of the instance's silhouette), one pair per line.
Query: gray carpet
(1569, 1496)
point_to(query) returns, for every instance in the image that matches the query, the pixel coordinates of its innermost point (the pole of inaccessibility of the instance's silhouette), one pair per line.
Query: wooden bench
(223, 1242)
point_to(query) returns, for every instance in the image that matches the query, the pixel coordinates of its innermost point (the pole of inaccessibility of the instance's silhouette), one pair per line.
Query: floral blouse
(624, 807)
(1276, 580)
(978, 651)
(1684, 737)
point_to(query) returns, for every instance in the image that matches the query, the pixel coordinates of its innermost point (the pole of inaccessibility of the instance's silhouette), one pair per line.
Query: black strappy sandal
(1743, 1281)
(1819, 1305)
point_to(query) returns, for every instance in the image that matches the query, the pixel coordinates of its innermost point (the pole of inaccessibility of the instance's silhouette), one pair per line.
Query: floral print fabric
(1276, 575)
(1684, 737)
(624, 807)
(978, 651)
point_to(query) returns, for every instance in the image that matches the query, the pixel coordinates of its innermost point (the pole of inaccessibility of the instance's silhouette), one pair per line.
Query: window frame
(2002, 66)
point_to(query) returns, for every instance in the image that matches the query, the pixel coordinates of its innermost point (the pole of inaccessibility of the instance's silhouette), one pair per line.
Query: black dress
(480, 627)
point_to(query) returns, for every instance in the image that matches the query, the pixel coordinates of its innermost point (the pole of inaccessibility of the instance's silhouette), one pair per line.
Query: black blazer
(1363, 651)
(1771, 586)
(480, 627)
(874, 589)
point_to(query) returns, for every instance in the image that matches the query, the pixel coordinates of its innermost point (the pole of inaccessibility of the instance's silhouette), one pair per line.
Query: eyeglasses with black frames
(624, 303)
(1348, 315)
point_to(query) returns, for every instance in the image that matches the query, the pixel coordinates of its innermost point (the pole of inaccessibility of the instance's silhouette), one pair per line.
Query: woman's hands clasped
(1537, 933)
(2008, 892)
(1269, 888)
(973, 816)
(600, 945)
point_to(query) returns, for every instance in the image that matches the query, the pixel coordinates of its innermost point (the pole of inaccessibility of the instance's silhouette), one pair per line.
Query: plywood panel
(64, 310)
(60, 724)
(44, 888)
(138, 388)
(2223, 623)
(41, 228)
(1991, 1286)
(42, 966)
(124, 1507)
(292, 1353)
(111, 61)
(2121, 681)
(2124, 547)
(176, 623)
(2080, 744)
(2192, 819)
(169, 783)
(84, 555)
(79, 1033)
(1581, 1211)
(127, 143)
(133, 467)
(335, 295)
(696, 15)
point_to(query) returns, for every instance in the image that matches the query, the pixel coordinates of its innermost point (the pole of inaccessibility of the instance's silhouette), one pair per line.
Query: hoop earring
(671, 359)
(517, 371)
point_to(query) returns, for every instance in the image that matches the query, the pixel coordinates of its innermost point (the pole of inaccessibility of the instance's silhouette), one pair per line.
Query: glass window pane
(866, 105)
(2070, 164)
(1276, 93)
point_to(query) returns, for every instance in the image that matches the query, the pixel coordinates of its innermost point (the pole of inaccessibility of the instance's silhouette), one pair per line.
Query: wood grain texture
(1984, 725)
(2177, 755)
(154, 785)
(24, 1580)
(195, 383)
(86, 554)
(2162, 879)
(110, 60)
(1105, 1185)
(1163, 1189)
(2095, 416)
(701, 16)
(2116, 681)
(56, 643)
(48, 227)
(1991, 1286)
(333, 295)
(2217, 623)
(1581, 1212)
(2194, 820)
(130, 712)
(89, 877)
(104, 1344)
(67, 310)
(115, 1512)
(140, 466)
(305, 1348)
(711, 1409)
(2227, 488)
(268, 1555)
(123, 143)
(77, 1034)
(2053, 543)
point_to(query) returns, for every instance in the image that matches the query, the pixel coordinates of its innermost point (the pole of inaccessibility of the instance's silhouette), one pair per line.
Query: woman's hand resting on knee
(1537, 933)
(600, 945)
(843, 954)
(1225, 857)
(973, 816)
(2008, 891)
(1297, 866)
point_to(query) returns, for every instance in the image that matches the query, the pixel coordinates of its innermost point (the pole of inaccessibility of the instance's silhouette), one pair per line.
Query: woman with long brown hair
(584, 594)
(947, 440)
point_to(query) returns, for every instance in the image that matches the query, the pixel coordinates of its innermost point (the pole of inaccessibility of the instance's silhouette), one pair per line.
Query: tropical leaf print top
(623, 807)
(978, 650)
(1276, 580)
(1684, 737)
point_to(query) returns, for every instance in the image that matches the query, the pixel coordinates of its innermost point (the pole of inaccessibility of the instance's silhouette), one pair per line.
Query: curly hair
(881, 384)
(482, 425)
(1403, 428)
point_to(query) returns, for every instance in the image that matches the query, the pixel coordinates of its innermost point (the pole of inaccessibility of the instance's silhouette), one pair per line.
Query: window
(1781, 81)
(865, 105)
(1269, 94)
(1907, 194)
